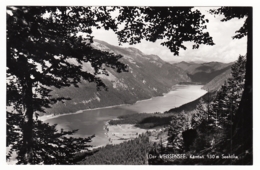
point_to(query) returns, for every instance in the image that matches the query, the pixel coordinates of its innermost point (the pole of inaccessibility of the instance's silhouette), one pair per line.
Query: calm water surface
(92, 121)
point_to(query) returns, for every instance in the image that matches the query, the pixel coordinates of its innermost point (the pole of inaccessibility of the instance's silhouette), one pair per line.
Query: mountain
(187, 66)
(203, 73)
(148, 76)
(194, 61)
(218, 81)
(191, 106)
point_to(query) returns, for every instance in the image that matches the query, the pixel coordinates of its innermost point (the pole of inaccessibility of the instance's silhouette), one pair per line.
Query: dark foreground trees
(44, 50)
(211, 123)
(164, 24)
(243, 123)
(172, 25)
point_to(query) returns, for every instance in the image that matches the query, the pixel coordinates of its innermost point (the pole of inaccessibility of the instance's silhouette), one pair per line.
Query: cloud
(225, 50)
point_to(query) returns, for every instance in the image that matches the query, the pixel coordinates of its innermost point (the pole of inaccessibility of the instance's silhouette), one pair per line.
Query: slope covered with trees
(243, 123)
(203, 73)
(133, 152)
(44, 50)
(213, 121)
(217, 82)
(43, 46)
(148, 76)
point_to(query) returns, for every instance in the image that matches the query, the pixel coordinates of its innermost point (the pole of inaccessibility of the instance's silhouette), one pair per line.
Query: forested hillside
(203, 73)
(147, 76)
(209, 129)
(192, 105)
(218, 81)
(54, 66)
(201, 127)
(133, 152)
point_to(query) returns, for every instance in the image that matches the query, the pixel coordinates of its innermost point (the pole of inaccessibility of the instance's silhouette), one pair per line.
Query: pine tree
(202, 113)
(219, 106)
(243, 121)
(44, 51)
(180, 122)
(228, 98)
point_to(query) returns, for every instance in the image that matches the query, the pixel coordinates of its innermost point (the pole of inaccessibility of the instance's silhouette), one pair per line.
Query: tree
(176, 25)
(243, 123)
(228, 98)
(173, 25)
(201, 114)
(215, 125)
(180, 123)
(45, 51)
(219, 105)
(50, 146)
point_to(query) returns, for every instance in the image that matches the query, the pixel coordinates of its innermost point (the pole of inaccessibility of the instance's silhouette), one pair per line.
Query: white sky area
(225, 49)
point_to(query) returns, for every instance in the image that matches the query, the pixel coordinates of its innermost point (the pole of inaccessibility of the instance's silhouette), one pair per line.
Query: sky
(225, 49)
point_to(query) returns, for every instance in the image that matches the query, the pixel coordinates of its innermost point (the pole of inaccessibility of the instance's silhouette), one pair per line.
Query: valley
(93, 121)
(129, 85)
(204, 73)
(148, 76)
(150, 86)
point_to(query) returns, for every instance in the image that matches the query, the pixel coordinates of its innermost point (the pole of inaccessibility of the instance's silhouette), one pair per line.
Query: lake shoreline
(51, 116)
(48, 117)
(96, 120)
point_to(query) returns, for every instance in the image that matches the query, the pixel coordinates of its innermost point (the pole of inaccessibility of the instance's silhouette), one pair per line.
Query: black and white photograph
(129, 85)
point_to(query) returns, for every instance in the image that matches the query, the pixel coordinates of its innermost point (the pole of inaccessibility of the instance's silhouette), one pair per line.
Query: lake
(91, 122)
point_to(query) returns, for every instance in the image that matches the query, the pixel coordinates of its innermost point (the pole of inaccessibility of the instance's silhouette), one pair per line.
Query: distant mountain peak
(100, 41)
(135, 50)
(203, 72)
(148, 76)
(127, 52)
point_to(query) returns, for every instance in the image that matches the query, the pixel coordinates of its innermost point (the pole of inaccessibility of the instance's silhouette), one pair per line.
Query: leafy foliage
(235, 12)
(174, 25)
(201, 114)
(243, 121)
(43, 51)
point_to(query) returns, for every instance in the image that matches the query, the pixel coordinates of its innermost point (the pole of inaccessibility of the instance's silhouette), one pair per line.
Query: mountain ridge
(148, 76)
(205, 72)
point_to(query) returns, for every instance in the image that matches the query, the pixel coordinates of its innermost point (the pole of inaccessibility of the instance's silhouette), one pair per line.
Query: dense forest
(199, 131)
(208, 129)
(133, 152)
(45, 51)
